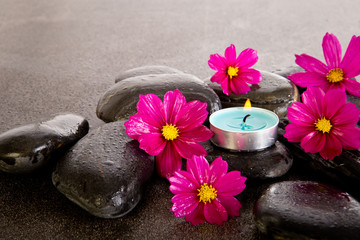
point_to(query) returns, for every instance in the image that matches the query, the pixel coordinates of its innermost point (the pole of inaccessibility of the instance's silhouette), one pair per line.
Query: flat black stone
(307, 210)
(28, 148)
(119, 102)
(105, 172)
(274, 93)
(147, 70)
(344, 169)
(271, 162)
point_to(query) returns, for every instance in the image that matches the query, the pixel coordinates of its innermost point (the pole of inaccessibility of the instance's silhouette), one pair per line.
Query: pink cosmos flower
(324, 123)
(233, 73)
(169, 130)
(336, 73)
(204, 193)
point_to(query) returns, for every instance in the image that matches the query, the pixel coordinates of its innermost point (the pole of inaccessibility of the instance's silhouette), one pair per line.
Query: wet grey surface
(61, 56)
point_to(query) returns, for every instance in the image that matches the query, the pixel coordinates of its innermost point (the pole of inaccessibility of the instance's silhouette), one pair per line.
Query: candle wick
(248, 115)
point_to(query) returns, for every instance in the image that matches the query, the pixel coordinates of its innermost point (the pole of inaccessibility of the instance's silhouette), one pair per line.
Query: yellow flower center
(232, 71)
(335, 75)
(323, 125)
(206, 193)
(170, 132)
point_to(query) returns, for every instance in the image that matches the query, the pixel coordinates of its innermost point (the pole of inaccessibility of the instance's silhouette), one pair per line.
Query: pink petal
(352, 87)
(168, 161)
(192, 115)
(218, 169)
(348, 115)
(187, 149)
(136, 126)
(198, 166)
(332, 147)
(295, 133)
(313, 142)
(219, 77)
(184, 204)
(151, 109)
(198, 134)
(348, 136)
(311, 64)
(152, 143)
(300, 114)
(215, 213)
(174, 101)
(231, 184)
(231, 204)
(230, 55)
(351, 61)
(313, 99)
(250, 76)
(247, 58)
(239, 86)
(332, 50)
(217, 62)
(309, 79)
(197, 216)
(333, 101)
(183, 181)
(225, 86)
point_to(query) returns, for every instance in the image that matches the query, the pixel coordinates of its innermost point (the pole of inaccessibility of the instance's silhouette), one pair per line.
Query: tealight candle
(244, 128)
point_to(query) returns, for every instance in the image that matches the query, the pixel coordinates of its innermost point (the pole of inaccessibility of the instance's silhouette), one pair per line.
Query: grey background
(60, 56)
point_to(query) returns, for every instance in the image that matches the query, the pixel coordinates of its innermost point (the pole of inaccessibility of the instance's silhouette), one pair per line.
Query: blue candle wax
(232, 119)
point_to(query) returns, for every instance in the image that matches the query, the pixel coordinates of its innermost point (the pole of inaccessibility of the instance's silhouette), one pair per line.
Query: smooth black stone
(28, 148)
(146, 70)
(307, 210)
(105, 172)
(119, 102)
(271, 162)
(344, 169)
(274, 93)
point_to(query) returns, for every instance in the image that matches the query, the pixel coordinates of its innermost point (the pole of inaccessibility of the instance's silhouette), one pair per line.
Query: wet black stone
(344, 169)
(271, 162)
(119, 102)
(307, 210)
(147, 70)
(105, 172)
(274, 92)
(28, 148)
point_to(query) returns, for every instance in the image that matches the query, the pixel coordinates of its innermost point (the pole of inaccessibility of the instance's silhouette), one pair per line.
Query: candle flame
(247, 103)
